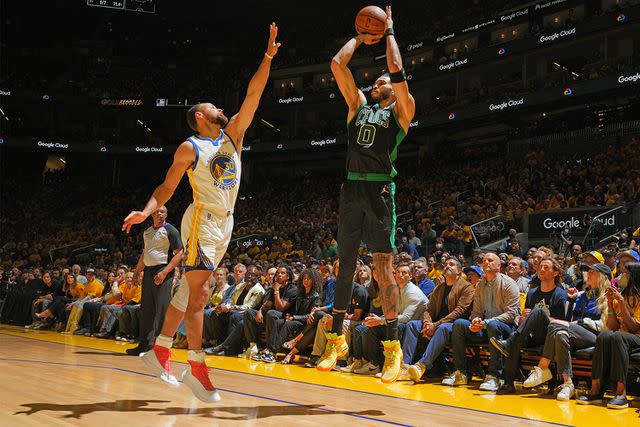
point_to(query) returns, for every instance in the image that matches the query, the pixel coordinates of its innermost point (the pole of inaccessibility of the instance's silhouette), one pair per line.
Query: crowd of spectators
(437, 203)
(563, 303)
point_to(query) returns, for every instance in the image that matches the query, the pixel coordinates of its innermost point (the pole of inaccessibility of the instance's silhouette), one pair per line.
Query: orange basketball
(371, 20)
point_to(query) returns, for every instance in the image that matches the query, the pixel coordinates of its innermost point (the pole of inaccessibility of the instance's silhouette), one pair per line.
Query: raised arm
(405, 104)
(182, 160)
(241, 121)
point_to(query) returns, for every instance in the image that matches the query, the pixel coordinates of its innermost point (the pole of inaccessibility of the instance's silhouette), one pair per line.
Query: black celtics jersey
(374, 135)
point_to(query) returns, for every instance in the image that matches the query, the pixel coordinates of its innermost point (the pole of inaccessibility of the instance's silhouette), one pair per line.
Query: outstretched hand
(135, 217)
(389, 22)
(273, 46)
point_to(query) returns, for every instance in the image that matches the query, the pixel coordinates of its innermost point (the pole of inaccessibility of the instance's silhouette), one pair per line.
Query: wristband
(268, 56)
(398, 77)
(611, 313)
(389, 32)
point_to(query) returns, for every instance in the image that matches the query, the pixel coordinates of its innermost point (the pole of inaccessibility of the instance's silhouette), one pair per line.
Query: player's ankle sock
(196, 356)
(392, 329)
(336, 326)
(164, 341)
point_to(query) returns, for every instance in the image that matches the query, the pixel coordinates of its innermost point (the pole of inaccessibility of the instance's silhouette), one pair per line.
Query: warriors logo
(223, 170)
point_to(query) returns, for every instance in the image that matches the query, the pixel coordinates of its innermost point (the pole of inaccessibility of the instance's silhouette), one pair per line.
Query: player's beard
(219, 120)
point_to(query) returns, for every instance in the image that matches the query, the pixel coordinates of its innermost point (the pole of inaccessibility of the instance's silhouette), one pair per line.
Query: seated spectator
(49, 290)
(584, 321)
(294, 322)
(92, 292)
(622, 274)
(407, 247)
(449, 301)
(72, 291)
(434, 268)
(474, 274)
(226, 319)
(516, 248)
(413, 239)
(420, 278)
(278, 300)
(613, 347)
(411, 306)
(129, 292)
(496, 309)
(517, 271)
(428, 236)
(543, 304)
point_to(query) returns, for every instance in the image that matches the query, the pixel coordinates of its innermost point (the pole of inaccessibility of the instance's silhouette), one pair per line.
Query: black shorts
(367, 214)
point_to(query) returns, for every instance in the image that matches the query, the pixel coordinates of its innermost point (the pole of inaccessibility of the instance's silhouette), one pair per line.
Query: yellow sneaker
(336, 348)
(392, 361)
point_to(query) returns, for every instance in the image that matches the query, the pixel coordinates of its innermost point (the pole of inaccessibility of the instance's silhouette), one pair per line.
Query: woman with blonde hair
(586, 316)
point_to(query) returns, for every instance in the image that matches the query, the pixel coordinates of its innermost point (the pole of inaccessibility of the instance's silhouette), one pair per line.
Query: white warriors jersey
(215, 175)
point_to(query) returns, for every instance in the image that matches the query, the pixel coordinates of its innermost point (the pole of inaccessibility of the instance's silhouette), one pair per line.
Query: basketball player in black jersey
(367, 206)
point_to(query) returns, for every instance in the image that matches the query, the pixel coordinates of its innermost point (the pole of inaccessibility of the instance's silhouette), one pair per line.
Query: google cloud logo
(568, 91)
(621, 18)
(410, 76)
(332, 95)
(452, 116)
(502, 51)
(103, 149)
(280, 147)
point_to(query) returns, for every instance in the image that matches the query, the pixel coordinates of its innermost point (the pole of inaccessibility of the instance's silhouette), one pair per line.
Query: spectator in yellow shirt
(129, 293)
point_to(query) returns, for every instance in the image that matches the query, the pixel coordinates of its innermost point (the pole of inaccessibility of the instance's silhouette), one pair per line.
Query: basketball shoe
(336, 348)
(158, 361)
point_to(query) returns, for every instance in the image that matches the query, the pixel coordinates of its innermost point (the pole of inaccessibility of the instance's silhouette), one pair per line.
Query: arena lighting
(62, 160)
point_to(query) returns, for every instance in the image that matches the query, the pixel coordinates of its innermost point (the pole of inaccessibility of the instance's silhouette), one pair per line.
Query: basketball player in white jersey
(211, 159)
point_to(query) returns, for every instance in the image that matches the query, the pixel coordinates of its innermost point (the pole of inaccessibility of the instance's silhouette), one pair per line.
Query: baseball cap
(597, 255)
(475, 269)
(630, 254)
(602, 268)
(91, 270)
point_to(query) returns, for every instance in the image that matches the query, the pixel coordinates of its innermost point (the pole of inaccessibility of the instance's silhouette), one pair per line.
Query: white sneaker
(367, 369)
(537, 376)
(201, 388)
(251, 351)
(457, 378)
(404, 375)
(151, 360)
(490, 383)
(565, 392)
(349, 369)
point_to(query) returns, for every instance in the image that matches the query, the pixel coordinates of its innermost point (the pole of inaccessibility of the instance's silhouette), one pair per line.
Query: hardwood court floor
(48, 379)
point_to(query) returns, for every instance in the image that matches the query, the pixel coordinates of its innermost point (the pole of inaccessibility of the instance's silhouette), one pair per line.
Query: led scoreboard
(148, 6)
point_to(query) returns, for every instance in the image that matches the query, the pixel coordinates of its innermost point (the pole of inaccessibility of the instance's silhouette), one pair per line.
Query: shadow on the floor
(245, 413)
(78, 410)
